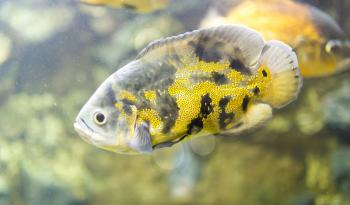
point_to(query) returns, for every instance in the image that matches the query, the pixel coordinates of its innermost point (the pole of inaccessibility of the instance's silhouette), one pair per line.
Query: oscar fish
(220, 80)
(321, 45)
(142, 6)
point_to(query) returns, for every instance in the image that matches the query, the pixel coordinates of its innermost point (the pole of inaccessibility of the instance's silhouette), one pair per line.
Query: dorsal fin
(162, 43)
(327, 26)
(222, 43)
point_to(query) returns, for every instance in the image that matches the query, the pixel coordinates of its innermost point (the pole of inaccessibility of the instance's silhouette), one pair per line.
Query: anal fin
(255, 117)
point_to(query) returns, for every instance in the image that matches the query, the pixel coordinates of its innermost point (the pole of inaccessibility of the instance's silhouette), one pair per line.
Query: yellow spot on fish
(262, 80)
(211, 124)
(153, 118)
(235, 105)
(235, 76)
(151, 95)
(208, 67)
(118, 105)
(127, 95)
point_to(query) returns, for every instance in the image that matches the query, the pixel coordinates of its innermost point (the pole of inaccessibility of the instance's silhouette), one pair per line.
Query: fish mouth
(91, 137)
(84, 131)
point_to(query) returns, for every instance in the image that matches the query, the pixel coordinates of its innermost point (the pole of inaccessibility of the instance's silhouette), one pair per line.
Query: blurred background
(54, 54)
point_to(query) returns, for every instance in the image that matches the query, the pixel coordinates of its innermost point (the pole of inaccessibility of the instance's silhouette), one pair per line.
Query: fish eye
(332, 46)
(100, 118)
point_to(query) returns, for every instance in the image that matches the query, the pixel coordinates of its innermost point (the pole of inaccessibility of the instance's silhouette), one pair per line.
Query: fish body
(142, 6)
(224, 79)
(320, 43)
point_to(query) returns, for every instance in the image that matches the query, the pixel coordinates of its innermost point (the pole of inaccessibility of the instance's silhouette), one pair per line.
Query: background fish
(135, 5)
(319, 42)
(220, 80)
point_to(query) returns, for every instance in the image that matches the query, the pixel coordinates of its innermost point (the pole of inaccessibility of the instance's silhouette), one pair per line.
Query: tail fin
(285, 74)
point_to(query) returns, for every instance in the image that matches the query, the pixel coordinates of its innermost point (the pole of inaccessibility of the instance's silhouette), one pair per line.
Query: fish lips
(86, 133)
(89, 136)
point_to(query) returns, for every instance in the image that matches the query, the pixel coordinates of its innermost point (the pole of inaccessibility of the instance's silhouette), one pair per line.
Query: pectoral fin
(141, 141)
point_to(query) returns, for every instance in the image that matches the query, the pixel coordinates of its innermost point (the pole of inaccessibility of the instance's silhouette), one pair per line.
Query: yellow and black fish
(223, 79)
(142, 6)
(320, 43)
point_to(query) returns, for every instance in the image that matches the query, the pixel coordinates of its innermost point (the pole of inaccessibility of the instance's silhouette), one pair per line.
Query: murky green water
(54, 54)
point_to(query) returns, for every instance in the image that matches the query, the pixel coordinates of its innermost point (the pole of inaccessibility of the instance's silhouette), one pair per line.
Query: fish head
(323, 57)
(340, 50)
(102, 121)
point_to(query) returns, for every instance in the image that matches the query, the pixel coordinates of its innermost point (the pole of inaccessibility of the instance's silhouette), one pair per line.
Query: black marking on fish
(127, 101)
(127, 109)
(256, 90)
(163, 83)
(168, 144)
(109, 99)
(129, 6)
(219, 78)
(148, 75)
(245, 103)
(169, 67)
(168, 111)
(223, 102)
(158, 76)
(127, 106)
(239, 66)
(196, 78)
(206, 107)
(264, 73)
(206, 50)
(195, 126)
(224, 117)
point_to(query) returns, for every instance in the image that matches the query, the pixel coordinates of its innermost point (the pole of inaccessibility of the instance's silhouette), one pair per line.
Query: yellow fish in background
(143, 6)
(319, 42)
(223, 79)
